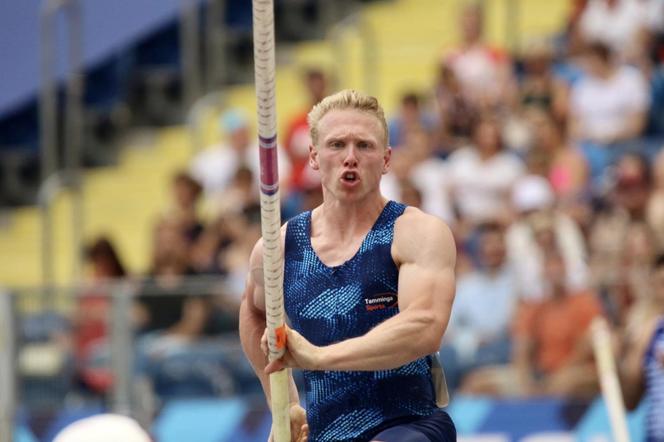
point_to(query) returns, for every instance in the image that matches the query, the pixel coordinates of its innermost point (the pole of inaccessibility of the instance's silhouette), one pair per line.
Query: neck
(344, 220)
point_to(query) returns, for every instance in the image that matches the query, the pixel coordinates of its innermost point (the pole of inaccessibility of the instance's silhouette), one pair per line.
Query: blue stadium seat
(200, 420)
(596, 422)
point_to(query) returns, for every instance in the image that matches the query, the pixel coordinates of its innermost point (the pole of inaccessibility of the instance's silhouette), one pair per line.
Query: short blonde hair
(345, 99)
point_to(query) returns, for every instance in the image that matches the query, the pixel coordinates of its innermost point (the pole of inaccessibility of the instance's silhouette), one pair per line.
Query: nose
(350, 159)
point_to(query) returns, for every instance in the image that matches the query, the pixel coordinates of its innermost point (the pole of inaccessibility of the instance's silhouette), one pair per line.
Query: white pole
(608, 376)
(273, 261)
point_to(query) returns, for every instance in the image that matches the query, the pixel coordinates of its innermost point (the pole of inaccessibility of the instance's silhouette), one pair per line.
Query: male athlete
(368, 290)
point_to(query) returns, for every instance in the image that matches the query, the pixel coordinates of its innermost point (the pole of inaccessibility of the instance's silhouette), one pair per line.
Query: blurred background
(128, 197)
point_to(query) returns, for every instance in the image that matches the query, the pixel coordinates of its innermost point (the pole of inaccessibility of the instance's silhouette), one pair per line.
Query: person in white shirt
(481, 176)
(216, 166)
(608, 108)
(533, 201)
(616, 23)
(484, 72)
(611, 102)
(485, 305)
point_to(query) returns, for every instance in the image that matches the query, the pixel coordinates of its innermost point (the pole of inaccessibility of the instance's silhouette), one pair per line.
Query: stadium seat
(210, 420)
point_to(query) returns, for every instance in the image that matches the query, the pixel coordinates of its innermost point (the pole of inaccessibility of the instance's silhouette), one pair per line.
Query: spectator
(552, 353)
(410, 119)
(607, 106)
(618, 24)
(183, 214)
(655, 210)
(456, 114)
(651, 304)
(413, 165)
(92, 315)
(528, 240)
(484, 307)
(297, 139)
(481, 176)
(220, 236)
(626, 207)
(216, 166)
(165, 304)
(636, 262)
(241, 194)
(484, 72)
(539, 86)
(563, 165)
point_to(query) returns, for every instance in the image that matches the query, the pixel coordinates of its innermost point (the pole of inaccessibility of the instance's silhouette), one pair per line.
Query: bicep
(425, 287)
(426, 275)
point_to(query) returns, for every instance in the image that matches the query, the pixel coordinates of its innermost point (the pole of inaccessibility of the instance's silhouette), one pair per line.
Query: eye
(337, 144)
(364, 145)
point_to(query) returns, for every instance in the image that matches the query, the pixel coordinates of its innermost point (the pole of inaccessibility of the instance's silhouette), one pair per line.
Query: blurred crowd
(546, 162)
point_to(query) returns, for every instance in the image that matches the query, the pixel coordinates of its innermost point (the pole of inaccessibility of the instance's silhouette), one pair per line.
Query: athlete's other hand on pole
(299, 353)
(299, 426)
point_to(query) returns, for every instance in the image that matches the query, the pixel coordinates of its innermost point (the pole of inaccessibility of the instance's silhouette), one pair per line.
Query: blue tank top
(331, 304)
(653, 365)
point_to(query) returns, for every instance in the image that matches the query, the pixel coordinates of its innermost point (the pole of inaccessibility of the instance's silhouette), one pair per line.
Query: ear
(313, 157)
(387, 158)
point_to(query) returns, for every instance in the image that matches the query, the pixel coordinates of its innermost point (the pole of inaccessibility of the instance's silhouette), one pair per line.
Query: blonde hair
(345, 99)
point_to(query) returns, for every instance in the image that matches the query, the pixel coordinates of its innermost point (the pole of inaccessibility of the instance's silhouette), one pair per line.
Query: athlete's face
(351, 154)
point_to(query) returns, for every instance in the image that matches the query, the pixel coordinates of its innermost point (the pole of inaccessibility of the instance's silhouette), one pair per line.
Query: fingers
(264, 346)
(274, 366)
(304, 434)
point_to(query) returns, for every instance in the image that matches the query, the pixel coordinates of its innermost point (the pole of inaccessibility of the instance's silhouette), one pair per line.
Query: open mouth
(350, 177)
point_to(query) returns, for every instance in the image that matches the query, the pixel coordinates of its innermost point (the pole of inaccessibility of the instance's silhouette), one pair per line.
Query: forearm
(252, 326)
(395, 342)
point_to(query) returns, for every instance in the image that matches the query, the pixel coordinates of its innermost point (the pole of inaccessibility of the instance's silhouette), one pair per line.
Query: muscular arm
(424, 248)
(252, 323)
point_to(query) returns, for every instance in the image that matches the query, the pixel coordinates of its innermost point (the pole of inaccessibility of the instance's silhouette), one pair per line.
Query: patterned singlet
(331, 304)
(653, 365)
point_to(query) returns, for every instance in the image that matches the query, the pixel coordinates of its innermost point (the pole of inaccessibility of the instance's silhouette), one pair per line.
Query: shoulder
(418, 234)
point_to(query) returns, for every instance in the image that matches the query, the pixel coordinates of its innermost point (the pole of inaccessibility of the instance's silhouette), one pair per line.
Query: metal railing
(199, 114)
(132, 391)
(190, 46)
(8, 396)
(73, 136)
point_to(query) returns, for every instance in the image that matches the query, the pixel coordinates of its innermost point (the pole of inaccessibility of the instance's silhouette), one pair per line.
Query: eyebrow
(344, 138)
